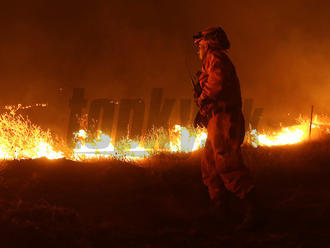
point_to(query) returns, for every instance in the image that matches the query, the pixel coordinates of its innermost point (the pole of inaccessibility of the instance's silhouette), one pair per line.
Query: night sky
(118, 49)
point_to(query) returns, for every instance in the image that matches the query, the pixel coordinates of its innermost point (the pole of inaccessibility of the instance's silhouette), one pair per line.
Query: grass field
(162, 202)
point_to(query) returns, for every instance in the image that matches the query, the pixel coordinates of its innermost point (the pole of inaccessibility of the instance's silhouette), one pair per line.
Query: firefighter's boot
(220, 208)
(251, 219)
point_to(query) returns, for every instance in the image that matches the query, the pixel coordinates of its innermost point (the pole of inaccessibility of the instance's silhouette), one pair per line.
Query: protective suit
(223, 169)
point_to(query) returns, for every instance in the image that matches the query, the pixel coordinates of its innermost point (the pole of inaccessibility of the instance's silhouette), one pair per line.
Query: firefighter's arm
(214, 83)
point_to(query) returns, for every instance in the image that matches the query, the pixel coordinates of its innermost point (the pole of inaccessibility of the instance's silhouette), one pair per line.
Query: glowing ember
(14, 108)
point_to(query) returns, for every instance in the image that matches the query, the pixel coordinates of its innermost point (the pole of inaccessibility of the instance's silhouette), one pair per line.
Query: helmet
(214, 36)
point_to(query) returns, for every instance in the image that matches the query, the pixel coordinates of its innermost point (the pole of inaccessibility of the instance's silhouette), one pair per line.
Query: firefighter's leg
(227, 155)
(219, 196)
(226, 140)
(210, 176)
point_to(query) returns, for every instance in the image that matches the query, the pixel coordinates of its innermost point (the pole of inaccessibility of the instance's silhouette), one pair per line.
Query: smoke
(125, 48)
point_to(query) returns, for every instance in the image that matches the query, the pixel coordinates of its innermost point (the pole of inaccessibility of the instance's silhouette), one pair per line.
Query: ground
(162, 202)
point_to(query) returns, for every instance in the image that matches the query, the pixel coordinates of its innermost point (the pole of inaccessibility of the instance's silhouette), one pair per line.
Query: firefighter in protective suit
(220, 103)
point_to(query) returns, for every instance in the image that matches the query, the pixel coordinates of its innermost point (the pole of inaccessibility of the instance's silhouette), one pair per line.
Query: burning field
(149, 193)
(97, 105)
(21, 139)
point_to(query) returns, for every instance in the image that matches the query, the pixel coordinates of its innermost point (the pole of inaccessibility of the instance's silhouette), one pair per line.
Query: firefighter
(220, 102)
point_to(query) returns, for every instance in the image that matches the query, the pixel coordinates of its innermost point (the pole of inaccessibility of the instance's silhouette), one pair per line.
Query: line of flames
(21, 139)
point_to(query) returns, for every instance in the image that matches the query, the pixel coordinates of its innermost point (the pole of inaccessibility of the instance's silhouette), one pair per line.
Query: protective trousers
(222, 164)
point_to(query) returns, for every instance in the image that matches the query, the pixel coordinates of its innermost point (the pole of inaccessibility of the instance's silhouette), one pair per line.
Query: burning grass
(21, 139)
(289, 135)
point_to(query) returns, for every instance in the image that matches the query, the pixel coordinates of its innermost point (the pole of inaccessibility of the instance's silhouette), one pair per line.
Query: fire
(288, 135)
(89, 150)
(21, 139)
(186, 140)
(102, 147)
(179, 139)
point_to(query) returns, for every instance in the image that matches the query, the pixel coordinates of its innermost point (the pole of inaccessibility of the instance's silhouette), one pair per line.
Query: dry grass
(162, 202)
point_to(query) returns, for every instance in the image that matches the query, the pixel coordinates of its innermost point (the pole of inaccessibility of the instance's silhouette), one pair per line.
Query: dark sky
(281, 49)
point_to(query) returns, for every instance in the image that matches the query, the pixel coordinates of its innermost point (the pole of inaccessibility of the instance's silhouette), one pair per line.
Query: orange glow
(288, 135)
(21, 139)
(179, 139)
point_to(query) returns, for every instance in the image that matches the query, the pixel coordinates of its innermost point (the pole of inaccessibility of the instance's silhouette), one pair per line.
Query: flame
(187, 140)
(95, 149)
(179, 139)
(21, 139)
(288, 135)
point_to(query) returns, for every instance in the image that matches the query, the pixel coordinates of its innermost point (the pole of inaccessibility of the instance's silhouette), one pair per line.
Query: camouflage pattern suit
(222, 166)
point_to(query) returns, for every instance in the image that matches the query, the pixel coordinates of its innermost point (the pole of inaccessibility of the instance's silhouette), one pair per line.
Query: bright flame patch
(21, 139)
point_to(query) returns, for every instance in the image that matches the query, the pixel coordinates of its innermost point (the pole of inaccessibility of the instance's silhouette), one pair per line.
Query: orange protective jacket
(219, 82)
